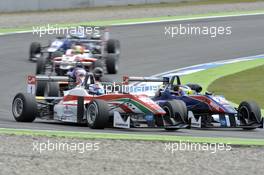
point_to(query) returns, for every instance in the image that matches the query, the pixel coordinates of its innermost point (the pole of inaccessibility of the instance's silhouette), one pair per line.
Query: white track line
(222, 61)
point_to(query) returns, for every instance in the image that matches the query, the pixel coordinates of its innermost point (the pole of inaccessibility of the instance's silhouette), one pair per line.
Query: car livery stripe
(124, 98)
(143, 108)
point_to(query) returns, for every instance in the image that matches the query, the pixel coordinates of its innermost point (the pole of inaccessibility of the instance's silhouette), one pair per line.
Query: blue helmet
(96, 89)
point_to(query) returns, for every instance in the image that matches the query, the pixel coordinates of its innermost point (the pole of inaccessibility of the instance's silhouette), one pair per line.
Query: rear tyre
(40, 88)
(52, 89)
(176, 111)
(41, 66)
(249, 113)
(113, 46)
(35, 48)
(112, 64)
(98, 64)
(97, 114)
(24, 107)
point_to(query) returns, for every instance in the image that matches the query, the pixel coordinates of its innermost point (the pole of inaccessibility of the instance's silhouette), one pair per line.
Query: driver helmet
(185, 90)
(78, 49)
(79, 64)
(80, 76)
(98, 72)
(96, 89)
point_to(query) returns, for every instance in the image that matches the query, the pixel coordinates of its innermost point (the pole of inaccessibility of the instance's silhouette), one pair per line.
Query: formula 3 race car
(61, 65)
(204, 110)
(86, 105)
(101, 47)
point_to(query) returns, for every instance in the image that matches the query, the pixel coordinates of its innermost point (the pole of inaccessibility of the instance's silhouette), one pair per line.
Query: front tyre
(176, 112)
(249, 113)
(112, 63)
(41, 66)
(113, 46)
(97, 114)
(34, 50)
(24, 107)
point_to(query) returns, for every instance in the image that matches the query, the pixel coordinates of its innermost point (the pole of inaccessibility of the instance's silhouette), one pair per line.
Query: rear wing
(50, 78)
(164, 80)
(127, 79)
(144, 85)
(103, 32)
(32, 81)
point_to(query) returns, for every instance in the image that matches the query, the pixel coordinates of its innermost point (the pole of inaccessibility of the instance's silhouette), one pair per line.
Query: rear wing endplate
(33, 79)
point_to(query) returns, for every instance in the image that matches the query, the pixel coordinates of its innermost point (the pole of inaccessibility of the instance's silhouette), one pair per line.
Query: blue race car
(203, 110)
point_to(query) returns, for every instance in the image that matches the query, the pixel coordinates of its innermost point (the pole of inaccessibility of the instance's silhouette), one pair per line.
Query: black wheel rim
(92, 113)
(168, 112)
(18, 107)
(245, 114)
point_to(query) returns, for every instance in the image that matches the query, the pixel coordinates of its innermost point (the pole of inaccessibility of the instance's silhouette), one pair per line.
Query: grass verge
(207, 77)
(136, 20)
(139, 137)
(249, 82)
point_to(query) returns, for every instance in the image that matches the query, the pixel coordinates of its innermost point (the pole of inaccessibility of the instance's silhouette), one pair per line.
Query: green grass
(207, 77)
(135, 137)
(134, 20)
(248, 84)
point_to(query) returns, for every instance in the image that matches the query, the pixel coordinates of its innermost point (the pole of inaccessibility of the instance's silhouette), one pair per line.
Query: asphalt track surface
(145, 51)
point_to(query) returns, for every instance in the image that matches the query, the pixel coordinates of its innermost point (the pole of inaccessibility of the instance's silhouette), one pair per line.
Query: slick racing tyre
(176, 111)
(97, 114)
(112, 63)
(24, 107)
(98, 64)
(41, 66)
(249, 113)
(98, 69)
(40, 88)
(52, 89)
(113, 46)
(34, 51)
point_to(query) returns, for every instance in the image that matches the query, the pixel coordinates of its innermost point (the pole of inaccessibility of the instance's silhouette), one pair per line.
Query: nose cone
(160, 111)
(151, 106)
